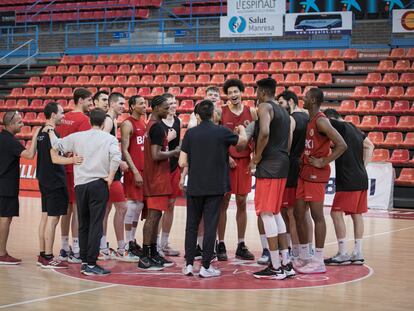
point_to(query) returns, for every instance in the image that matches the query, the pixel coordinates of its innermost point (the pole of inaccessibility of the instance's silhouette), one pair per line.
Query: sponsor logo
(237, 24)
(407, 21)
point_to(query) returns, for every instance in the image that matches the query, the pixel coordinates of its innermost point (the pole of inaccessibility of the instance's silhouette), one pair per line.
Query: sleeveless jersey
(136, 142)
(157, 173)
(231, 120)
(275, 159)
(118, 174)
(175, 142)
(317, 146)
(297, 148)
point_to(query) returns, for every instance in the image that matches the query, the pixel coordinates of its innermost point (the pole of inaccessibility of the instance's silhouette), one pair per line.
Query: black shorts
(55, 202)
(9, 206)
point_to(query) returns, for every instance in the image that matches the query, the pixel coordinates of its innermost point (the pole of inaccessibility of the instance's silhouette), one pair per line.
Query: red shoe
(54, 264)
(41, 260)
(9, 260)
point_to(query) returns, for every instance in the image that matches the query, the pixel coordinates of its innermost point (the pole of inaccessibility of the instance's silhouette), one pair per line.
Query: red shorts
(158, 203)
(71, 187)
(116, 192)
(269, 194)
(240, 177)
(132, 192)
(310, 191)
(350, 202)
(175, 184)
(289, 197)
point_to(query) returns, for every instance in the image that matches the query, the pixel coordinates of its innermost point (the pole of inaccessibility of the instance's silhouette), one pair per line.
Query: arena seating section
(73, 10)
(382, 105)
(202, 8)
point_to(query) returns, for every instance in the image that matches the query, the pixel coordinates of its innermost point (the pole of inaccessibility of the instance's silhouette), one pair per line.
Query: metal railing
(30, 55)
(12, 37)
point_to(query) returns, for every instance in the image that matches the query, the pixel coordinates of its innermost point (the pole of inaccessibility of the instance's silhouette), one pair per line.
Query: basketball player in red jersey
(235, 113)
(132, 142)
(116, 192)
(313, 176)
(73, 121)
(157, 183)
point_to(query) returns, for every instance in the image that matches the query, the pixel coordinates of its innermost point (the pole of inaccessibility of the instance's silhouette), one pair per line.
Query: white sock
(221, 241)
(103, 245)
(310, 245)
(342, 246)
(295, 250)
(285, 256)
(65, 242)
(164, 238)
(358, 246)
(158, 239)
(274, 257)
(319, 254)
(264, 242)
(240, 240)
(75, 245)
(121, 245)
(133, 232)
(200, 240)
(128, 236)
(304, 251)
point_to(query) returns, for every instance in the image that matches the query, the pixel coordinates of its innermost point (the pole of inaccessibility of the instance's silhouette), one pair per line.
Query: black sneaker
(199, 253)
(243, 252)
(135, 248)
(95, 270)
(270, 273)
(289, 271)
(221, 252)
(162, 260)
(147, 263)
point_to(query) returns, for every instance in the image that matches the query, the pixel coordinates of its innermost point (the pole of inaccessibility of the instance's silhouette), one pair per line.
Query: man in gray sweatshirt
(101, 157)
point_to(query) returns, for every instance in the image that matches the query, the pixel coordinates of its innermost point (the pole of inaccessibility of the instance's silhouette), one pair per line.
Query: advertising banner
(251, 25)
(241, 7)
(403, 21)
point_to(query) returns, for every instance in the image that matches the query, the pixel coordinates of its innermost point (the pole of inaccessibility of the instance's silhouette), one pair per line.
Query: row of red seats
(375, 78)
(401, 53)
(219, 56)
(380, 107)
(398, 157)
(208, 10)
(185, 92)
(176, 80)
(380, 92)
(400, 66)
(89, 15)
(386, 123)
(392, 140)
(406, 177)
(202, 68)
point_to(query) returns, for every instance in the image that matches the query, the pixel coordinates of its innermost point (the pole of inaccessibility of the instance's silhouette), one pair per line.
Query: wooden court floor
(386, 285)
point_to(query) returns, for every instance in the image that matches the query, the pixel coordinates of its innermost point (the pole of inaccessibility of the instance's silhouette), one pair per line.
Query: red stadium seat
(50, 70)
(149, 68)
(108, 81)
(406, 123)
(318, 55)
(144, 91)
(307, 79)
(217, 79)
(81, 81)
(290, 67)
(95, 80)
(66, 92)
(204, 57)
(278, 77)
(373, 78)
(120, 80)
(147, 80)
(162, 69)
(401, 106)
(186, 105)
(390, 79)
(321, 66)
(409, 93)
(324, 79)
(232, 56)
(395, 92)
(177, 58)
(248, 78)
(172, 80)
(304, 55)
(191, 68)
(380, 155)
(249, 92)
(393, 139)
(29, 117)
(17, 92)
(406, 177)
(218, 68)
(137, 69)
(377, 138)
(292, 79)
(305, 67)
(53, 93)
(352, 119)
(276, 67)
(260, 56)
(297, 90)
(164, 58)
(289, 55)
(402, 65)
(133, 80)
(25, 133)
(232, 68)
(200, 92)
(378, 92)
(385, 66)
(397, 53)
(151, 58)
(34, 81)
(334, 54)
(350, 54)
(117, 89)
(261, 67)
(360, 92)
(232, 76)
(246, 68)
(410, 53)
(70, 81)
(347, 106)
(387, 122)
(365, 106)
(130, 91)
(160, 80)
(187, 92)
(406, 78)
(382, 106)
(10, 104)
(400, 156)
(189, 80)
(156, 91)
(174, 90)
(185, 118)
(178, 68)
(40, 92)
(337, 66)
(369, 122)
(275, 55)
(409, 140)
(203, 80)
(202, 68)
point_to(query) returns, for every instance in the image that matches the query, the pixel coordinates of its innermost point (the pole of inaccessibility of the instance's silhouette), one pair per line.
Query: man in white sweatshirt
(93, 177)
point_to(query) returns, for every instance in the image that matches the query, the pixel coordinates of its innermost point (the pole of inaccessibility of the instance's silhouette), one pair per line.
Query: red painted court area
(235, 275)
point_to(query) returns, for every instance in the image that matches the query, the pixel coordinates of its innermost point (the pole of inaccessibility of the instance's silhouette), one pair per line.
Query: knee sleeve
(281, 226)
(140, 206)
(131, 211)
(269, 224)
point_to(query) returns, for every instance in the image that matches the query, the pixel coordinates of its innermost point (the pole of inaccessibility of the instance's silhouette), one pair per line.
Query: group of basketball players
(288, 151)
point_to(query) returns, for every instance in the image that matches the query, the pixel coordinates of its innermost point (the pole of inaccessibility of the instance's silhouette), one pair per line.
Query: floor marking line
(57, 296)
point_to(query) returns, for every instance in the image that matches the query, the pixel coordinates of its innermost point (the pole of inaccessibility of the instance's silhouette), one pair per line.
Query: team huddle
(83, 171)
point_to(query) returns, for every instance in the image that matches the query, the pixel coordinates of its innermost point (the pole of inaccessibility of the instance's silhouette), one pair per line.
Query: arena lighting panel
(318, 21)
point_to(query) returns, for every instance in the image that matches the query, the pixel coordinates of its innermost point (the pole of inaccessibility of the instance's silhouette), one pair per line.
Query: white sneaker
(104, 254)
(168, 251)
(127, 256)
(338, 260)
(209, 273)
(188, 270)
(357, 259)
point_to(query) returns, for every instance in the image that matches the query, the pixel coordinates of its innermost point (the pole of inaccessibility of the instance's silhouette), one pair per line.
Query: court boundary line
(57, 296)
